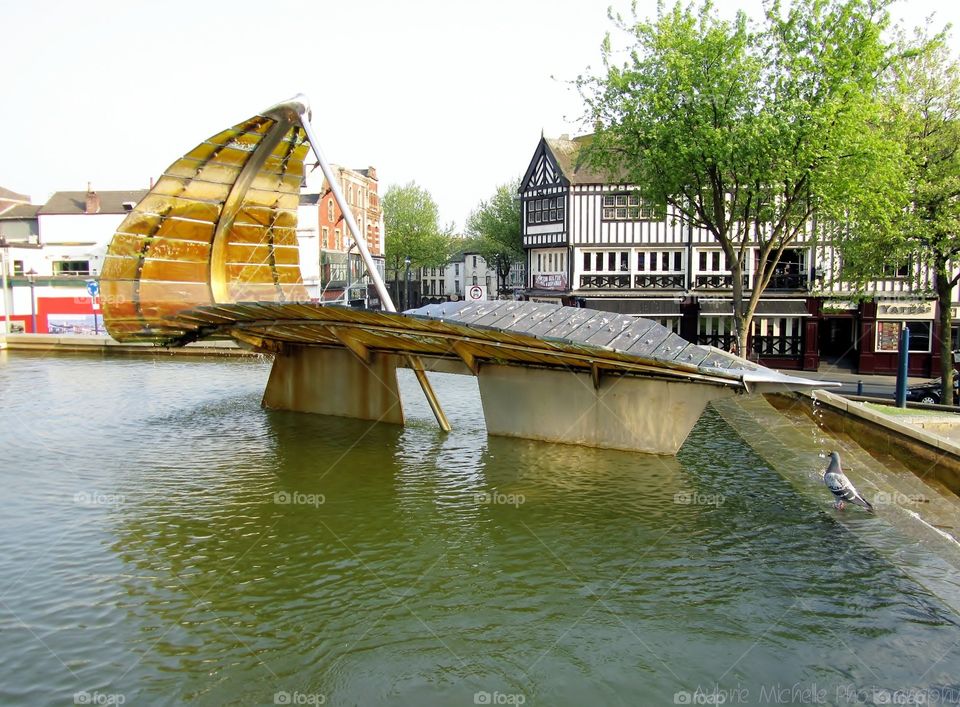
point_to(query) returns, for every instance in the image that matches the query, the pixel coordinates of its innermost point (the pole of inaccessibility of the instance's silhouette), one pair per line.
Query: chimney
(93, 201)
(372, 173)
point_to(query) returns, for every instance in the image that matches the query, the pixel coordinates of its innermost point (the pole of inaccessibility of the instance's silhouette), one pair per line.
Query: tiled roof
(568, 155)
(75, 202)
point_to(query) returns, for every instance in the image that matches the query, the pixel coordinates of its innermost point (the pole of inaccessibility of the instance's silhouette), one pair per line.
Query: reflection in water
(247, 553)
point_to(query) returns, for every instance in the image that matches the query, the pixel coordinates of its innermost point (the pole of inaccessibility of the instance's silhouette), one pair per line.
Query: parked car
(929, 392)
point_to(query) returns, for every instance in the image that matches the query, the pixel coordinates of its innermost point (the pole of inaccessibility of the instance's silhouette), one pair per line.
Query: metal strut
(413, 361)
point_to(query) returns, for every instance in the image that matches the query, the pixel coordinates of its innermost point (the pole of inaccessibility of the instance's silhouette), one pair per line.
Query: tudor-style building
(591, 240)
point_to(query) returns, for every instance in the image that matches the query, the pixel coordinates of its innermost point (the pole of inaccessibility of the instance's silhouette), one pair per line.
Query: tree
(747, 133)
(412, 231)
(495, 227)
(924, 93)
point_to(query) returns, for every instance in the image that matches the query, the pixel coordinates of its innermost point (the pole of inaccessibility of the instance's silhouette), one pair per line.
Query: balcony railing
(788, 281)
(708, 281)
(605, 282)
(720, 341)
(791, 346)
(666, 282)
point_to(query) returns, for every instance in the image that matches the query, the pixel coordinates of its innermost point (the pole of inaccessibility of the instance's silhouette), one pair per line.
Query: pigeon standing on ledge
(840, 485)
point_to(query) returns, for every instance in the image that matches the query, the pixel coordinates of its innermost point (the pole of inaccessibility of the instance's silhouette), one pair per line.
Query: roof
(568, 154)
(75, 202)
(21, 211)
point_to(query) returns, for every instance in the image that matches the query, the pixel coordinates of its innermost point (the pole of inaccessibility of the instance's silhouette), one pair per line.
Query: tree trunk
(946, 335)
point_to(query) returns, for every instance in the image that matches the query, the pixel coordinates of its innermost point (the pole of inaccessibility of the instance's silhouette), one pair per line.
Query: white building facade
(596, 243)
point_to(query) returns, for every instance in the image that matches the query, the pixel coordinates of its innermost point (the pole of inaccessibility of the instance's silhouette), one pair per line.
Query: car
(929, 392)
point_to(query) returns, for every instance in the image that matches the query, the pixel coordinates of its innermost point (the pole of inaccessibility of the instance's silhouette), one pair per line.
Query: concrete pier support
(334, 382)
(619, 412)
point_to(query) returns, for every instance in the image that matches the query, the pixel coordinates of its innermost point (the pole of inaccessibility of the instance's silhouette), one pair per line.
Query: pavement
(873, 385)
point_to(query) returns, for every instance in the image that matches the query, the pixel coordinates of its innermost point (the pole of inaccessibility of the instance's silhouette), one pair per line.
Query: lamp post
(406, 281)
(32, 279)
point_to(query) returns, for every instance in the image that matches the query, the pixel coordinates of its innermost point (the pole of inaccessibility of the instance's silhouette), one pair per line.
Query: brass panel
(258, 235)
(177, 271)
(178, 228)
(262, 273)
(140, 223)
(183, 208)
(262, 254)
(117, 267)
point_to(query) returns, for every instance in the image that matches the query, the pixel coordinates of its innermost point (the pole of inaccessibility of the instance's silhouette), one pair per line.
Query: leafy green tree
(924, 93)
(410, 217)
(495, 227)
(748, 132)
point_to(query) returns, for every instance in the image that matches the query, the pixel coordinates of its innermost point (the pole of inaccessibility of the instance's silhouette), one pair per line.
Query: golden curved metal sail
(218, 227)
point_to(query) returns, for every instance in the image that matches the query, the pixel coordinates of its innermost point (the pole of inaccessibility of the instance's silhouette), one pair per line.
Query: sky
(451, 94)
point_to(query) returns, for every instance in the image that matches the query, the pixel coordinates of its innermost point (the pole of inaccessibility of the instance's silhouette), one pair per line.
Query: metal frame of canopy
(297, 109)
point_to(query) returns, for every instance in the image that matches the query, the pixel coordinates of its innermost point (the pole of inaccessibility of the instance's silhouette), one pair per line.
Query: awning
(765, 308)
(642, 307)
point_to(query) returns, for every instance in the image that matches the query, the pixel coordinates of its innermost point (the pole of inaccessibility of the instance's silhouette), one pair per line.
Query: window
(18, 267)
(71, 267)
(330, 210)
(896, 271)
(888, 336)
(442, 289)
(630, 207)
(456, 269)
(350, 194)
(336, 238)
(474, 262)
(586, 262)
(475, 280)
(662, 261)
(548, 210)
(456, 286)
(325, 237)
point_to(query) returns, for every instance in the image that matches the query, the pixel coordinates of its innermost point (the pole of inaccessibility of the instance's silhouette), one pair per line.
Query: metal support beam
(371, 266)
(358, 349)
(467, 357)
(417, 366)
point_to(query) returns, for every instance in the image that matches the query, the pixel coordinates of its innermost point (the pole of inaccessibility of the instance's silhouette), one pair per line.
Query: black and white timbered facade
(593, 242)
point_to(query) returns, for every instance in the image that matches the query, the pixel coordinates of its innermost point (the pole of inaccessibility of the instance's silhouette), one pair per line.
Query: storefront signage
(556, 281)
(905, 310)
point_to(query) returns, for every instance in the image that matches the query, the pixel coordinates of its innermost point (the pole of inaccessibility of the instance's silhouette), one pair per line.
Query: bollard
(860, 387)
(902, 368)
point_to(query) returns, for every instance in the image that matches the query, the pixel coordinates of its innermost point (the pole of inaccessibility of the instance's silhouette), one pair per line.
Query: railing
(604, 282)
(788, 281)
(777, 345)
(716, 282)
(720, 341)
(667, 282)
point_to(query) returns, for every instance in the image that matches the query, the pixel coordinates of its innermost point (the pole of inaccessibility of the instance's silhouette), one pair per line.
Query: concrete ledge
(106, 345)
(898, 437)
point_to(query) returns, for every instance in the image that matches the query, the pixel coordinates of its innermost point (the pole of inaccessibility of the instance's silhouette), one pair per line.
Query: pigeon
(840, 485)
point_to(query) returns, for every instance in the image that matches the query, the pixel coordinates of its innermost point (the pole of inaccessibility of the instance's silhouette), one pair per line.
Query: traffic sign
(476, 293)
(93, 288)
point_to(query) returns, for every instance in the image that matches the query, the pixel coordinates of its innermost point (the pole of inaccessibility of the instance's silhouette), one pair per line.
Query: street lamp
(406, 279)
(32, 279)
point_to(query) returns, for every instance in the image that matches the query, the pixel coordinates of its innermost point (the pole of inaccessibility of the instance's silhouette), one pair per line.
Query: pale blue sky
(449, 93)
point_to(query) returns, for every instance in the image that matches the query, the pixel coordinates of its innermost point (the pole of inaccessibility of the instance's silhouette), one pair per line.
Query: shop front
(882, 324)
